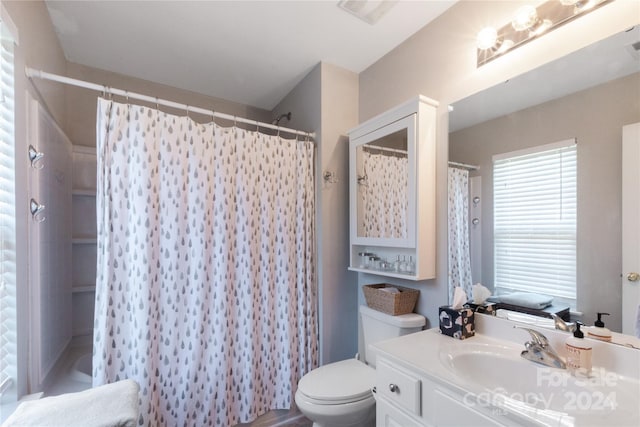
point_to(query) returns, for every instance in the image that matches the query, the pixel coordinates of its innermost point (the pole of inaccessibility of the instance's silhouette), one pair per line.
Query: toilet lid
(345, 381)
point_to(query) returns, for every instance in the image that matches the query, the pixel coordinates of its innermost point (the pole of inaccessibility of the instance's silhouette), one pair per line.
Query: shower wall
(49, 184)
(475, 227)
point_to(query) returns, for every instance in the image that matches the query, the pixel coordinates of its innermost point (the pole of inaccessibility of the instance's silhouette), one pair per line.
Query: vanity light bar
(529, 23)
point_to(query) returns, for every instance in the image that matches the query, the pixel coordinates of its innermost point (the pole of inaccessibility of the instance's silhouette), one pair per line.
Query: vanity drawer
(398, 386)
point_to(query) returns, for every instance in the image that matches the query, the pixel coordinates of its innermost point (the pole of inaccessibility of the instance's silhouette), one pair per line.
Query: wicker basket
(394, 304)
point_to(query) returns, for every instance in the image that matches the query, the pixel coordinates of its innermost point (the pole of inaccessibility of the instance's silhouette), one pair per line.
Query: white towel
(524, 299)
(110, 405)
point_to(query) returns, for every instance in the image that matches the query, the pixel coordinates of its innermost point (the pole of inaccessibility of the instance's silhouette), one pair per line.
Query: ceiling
(606, 60)
(251, 52)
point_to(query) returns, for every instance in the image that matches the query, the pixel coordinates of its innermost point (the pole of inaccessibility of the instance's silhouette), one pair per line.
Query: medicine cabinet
(392, 188)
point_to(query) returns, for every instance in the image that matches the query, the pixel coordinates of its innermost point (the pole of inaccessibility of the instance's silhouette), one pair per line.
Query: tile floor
(280, 418)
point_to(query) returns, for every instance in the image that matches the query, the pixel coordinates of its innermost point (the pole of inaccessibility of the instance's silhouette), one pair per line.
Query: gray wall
(439, 61)
(595, 117)
(326, 101)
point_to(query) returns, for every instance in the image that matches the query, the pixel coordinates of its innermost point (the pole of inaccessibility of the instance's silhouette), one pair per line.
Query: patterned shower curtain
(385, 195)
(205, 285)
(459, 254)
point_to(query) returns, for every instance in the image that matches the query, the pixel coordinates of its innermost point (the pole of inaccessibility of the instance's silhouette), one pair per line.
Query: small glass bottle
(403, 265)
(411, 266)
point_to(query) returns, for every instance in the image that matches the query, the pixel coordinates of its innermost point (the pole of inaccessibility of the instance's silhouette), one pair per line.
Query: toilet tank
(378, 326)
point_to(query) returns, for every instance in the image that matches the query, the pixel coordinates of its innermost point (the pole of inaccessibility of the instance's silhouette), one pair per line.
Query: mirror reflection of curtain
(385, 195)
(459, 254)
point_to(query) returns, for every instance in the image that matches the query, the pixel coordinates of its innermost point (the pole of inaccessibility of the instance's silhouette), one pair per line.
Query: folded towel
(110, 405)
(524, 299)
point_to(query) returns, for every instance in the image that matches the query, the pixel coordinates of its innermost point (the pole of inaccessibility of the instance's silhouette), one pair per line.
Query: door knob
(633, 277)
(393, 388)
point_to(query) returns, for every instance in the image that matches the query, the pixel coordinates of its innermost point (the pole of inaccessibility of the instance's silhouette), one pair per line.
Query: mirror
(383, 185)
(588, 95)
(392, 192)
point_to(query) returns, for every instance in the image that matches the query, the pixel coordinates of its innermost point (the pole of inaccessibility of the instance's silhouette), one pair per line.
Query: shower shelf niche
(84, 239)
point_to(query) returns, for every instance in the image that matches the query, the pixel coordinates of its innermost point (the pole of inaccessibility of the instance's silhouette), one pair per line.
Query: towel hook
(37, 211)
(329, 177)
(35, 158)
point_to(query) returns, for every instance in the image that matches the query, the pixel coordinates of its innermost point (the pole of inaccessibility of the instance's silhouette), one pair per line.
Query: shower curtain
(205, 290)
(385, 195)
(459, 254)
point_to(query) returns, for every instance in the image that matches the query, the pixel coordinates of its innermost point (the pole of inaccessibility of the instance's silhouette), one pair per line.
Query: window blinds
(8, 336)
(535, 221)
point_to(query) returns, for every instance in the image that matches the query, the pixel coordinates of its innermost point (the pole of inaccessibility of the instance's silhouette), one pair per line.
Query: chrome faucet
(539, 350)
(561, 324)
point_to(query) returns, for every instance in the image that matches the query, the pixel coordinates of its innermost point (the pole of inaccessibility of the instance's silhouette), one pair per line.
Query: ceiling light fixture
(528, 23)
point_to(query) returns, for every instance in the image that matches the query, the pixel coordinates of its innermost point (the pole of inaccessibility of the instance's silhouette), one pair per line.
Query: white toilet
(339, 394)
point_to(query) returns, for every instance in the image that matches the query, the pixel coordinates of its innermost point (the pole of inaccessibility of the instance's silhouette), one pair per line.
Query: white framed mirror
(385, 177)
(392, 192)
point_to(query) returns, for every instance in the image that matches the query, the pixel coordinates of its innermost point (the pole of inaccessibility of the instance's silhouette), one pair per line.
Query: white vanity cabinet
(392, 189)
(407, 398)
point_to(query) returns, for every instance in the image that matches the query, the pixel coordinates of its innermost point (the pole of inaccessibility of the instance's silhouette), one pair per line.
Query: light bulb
(526, 17)
(487, 38)
(579, 5)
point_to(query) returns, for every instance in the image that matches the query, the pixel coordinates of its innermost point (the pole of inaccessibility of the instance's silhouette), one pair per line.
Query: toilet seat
(338, 383)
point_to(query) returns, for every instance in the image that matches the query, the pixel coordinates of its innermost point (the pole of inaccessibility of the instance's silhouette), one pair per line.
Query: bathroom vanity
(392, 190)
(429, 379)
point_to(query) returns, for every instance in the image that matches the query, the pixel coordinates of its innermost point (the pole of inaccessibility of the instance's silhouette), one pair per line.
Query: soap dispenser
(599, 332)
(578, 353)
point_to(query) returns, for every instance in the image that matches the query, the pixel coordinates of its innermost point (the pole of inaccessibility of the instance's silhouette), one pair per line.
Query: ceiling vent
(634, 50)
(368, 10)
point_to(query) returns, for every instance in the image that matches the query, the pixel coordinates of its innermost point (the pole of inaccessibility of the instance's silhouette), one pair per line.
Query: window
(534, 233)
(8, 338)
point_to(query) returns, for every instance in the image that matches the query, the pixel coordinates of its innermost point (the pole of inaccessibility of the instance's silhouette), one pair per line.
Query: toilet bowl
(339, 394)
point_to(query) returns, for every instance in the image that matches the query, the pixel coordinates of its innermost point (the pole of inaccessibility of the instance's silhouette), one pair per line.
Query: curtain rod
(376, 147)
(33, 73)
(464, 166)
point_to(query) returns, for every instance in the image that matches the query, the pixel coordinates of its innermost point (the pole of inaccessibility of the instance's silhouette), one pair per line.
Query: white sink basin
(498, 377)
